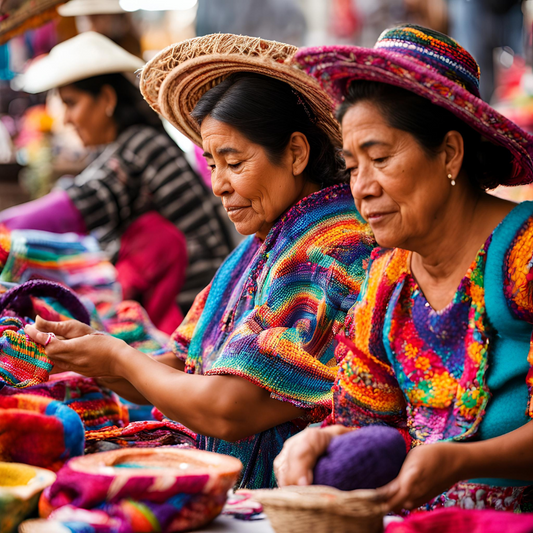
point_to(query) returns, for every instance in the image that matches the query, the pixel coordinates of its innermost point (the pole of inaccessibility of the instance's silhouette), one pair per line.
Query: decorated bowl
(166, 489)
(20, 487)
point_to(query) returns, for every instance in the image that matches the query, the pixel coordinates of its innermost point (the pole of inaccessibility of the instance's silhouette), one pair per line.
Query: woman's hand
(428, 470)
(77, 347)
(295, 464)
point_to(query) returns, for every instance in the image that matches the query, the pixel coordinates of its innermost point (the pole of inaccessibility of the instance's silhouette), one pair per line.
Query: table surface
(227, 524)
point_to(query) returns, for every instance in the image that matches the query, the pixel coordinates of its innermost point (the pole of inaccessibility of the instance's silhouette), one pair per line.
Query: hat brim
(176, 95)
(334, 67)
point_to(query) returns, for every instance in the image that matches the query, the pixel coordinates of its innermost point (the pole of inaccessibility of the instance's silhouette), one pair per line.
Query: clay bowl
(321, 509)
(20, 488)
(149, 475)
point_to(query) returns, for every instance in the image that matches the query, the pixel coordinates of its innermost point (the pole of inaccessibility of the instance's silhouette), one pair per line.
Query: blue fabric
(73, 430)
(508, 366)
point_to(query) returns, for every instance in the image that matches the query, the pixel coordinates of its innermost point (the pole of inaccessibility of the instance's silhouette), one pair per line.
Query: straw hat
(431, 65)
(174, 80)
(84, 56)
(77, 8)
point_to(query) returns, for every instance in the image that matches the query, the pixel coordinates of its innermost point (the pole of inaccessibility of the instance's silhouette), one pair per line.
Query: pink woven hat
(431, 65)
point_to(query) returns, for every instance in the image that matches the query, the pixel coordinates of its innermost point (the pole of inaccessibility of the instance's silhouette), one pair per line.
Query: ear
(299, 150)
(454, 151)
(108, 98)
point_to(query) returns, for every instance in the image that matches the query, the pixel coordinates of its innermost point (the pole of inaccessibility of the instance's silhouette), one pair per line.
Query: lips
(376, 216)
(231, 208)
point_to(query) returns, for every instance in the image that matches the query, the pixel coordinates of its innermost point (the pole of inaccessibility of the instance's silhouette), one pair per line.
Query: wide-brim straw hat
(77, 8)
(175, 79)
(84, 56)
(431, 65)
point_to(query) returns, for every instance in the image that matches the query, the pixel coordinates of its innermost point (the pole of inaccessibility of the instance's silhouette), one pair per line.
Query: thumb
(68, 329)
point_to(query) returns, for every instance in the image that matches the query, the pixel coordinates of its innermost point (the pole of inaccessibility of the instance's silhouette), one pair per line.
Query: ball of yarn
(365, 458)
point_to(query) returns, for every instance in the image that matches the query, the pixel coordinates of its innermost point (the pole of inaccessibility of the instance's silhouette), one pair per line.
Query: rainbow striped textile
(271, 315)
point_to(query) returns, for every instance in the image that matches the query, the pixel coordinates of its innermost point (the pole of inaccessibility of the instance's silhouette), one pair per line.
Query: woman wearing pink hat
(438, 344)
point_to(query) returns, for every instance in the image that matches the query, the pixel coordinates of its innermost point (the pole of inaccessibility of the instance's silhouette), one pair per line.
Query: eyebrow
(222, 151)
(364, 146)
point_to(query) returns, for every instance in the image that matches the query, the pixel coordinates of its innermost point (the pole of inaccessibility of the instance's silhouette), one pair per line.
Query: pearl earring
(450, 177)
(109, 112)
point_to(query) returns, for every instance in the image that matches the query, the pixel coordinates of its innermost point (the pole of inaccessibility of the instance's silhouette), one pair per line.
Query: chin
(386, 240)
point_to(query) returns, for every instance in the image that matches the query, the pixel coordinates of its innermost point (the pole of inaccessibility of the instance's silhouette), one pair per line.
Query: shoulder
(327, 216)
(140, 144)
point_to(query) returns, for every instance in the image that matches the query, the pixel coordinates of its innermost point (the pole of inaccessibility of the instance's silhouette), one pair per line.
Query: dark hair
(487, 165)
(131, 109)
(267, 112)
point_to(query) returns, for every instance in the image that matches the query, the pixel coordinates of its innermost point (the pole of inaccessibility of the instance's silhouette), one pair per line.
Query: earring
(450, 177)
(109, 111)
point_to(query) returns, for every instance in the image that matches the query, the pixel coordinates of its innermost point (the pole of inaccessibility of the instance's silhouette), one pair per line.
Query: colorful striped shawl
(272, 312)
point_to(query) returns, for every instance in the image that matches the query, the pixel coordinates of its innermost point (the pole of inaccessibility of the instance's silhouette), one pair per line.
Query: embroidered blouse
(455, 374)
(271, 315)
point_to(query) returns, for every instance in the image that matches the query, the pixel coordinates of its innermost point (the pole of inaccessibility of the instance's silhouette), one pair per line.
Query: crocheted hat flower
(431, 65)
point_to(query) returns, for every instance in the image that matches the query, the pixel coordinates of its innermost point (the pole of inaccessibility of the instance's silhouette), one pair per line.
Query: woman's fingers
(38, 336)
(68, 329)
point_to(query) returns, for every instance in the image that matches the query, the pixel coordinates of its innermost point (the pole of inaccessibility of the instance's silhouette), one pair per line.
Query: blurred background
(37, 149)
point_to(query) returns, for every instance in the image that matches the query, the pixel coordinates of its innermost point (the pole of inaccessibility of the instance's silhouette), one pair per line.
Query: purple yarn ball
(365, 458)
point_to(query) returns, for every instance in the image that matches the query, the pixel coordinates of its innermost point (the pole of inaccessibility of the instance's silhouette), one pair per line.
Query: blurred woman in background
(138, 196)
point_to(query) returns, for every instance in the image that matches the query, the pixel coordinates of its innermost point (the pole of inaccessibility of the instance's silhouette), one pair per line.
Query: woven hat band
(434, 50)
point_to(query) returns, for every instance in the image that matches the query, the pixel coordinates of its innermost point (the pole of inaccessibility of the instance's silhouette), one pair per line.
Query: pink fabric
(151, 268)
(201, 166)
(455, 520)
(54, 212)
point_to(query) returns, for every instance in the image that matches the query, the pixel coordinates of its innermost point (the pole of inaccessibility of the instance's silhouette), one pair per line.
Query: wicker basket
(321, 509)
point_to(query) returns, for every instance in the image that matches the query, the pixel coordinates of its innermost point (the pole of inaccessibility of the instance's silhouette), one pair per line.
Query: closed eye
(234, 165)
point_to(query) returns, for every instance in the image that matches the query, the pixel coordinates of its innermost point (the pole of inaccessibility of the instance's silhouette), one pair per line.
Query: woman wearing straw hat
(437, 345)
(252, 363)
(139, 190)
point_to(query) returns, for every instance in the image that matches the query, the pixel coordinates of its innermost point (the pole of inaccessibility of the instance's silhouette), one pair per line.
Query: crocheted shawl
(424, 371)
(272, 312)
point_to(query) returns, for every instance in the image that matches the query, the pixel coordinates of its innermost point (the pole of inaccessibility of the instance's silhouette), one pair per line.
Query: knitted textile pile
(96, 406)
(22, 361)
(74, 261)
(271, 315)
(129, 322)
(38, 431)
(140, 434)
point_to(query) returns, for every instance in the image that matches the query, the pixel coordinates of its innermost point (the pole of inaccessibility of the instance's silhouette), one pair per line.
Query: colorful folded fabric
(456, 520)
(68, 258)
(38, 431)
(130, 322)
(96, 406)
(140, 434)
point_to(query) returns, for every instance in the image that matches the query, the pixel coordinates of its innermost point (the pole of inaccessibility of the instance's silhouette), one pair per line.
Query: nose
(364, 183)
(220, 184)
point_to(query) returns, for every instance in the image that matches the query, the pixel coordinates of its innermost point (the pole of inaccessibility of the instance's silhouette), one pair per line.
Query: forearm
(127, 391)
(508, 456)
(226, 407)
(124, 389)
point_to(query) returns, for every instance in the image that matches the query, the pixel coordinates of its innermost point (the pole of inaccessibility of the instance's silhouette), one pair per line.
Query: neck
(308, 188)
(453, 239)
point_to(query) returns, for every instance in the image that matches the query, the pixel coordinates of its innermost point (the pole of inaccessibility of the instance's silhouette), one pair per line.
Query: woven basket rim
(320, 498)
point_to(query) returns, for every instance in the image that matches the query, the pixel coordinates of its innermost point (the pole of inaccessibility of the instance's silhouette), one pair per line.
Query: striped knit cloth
(271, 315)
